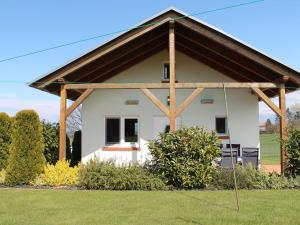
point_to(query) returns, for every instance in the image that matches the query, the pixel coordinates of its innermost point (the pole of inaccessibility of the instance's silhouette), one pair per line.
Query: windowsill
(116, 148)
(168, 81)
(223, 137)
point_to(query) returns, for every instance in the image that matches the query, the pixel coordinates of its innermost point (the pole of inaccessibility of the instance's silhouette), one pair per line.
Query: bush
(51, 141)
(5, 138)
(26, 159)
(249, 178)
(293, 152)
(76, 148)
(106, 175)
(183, 158)
(2, 176)
(60, 174)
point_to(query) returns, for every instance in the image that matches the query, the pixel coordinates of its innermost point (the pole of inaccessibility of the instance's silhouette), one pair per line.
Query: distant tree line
(293, 120)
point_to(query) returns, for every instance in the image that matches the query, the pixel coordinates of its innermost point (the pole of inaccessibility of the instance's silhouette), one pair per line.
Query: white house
(183, 66)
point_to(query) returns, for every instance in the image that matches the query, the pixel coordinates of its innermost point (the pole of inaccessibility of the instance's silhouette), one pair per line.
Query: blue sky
(271, 26)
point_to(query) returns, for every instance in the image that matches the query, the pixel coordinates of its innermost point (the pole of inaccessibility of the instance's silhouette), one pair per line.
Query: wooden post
(172, 115)
(283, 128)
(62, 124)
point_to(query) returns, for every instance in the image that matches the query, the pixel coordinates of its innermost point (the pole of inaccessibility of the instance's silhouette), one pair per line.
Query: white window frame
(226, 125)
(122, 142)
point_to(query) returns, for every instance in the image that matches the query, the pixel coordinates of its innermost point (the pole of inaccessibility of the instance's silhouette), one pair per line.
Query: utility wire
(231, 153)
(127, 29)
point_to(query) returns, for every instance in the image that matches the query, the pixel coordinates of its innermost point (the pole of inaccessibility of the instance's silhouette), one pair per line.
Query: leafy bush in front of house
(26, 159)
(5, 138)
(293, 152)
(51, 142)
(249, 178)
(106, 175)
(60, 174)
(76, 148)
(183, 158)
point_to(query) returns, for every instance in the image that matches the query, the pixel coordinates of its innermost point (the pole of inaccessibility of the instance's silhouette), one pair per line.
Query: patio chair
(250, 156)
(235, 146)
(226, 158)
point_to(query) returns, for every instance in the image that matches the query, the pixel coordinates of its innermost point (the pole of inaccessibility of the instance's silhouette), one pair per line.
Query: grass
(270, 149)
(22, 206)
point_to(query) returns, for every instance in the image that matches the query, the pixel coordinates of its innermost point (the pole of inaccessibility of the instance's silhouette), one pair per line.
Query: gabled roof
(193, 37)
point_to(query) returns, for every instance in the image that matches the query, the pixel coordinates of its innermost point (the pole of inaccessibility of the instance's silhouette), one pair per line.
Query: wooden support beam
(172, 109)
(217, 85)
(156, 101)
(283, 128)
(226, 84)
(267, 100)
(62, 124)
(79, 100)
(188, 101)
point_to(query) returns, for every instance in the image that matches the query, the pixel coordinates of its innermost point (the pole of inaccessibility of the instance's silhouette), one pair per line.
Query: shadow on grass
(189, 221)
(207, 202)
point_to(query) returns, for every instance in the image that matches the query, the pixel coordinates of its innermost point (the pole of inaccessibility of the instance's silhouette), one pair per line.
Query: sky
(25, 26)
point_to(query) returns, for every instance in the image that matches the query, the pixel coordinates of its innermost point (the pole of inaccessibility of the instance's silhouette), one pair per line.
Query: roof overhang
(194, 38)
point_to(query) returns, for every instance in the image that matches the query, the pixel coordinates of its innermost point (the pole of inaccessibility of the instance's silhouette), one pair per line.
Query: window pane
(166, 71)
(221, 125)
(131, 130)
(112, 130)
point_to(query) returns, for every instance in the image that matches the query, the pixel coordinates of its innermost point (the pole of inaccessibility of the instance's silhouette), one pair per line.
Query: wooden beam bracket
(183, 106)
(267, 100)
(156, 101)
(79, 100)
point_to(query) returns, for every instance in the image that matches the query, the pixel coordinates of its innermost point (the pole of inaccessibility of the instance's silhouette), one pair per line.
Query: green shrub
(76, 148)
(51, 142)
(249, 178)
(26, 159)
(2, 176)
(106, 175)
(5, 138)
(183, 158)
(293, 152)
(60, 174)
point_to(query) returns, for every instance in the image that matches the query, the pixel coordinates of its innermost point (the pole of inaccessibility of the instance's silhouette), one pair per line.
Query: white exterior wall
(243, 107)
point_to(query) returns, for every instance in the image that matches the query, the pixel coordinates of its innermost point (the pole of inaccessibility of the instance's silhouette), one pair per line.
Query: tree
(292, 145)
(26, 159)
(269, 126)
(74, 121)
(76, 148)
(5, 138)
(51, 141)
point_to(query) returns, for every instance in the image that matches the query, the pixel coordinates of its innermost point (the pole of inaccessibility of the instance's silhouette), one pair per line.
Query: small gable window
(166, 75)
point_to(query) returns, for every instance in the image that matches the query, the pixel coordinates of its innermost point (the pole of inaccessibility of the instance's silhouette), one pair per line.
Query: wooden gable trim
(71, 68)
(240, 48)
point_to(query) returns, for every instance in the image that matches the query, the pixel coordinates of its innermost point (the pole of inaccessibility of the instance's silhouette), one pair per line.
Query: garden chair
(226, 158)
(235, 146)
(250, 156)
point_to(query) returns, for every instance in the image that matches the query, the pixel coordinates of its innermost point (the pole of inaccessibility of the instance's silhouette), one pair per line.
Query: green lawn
(32, 207)
(270, 149)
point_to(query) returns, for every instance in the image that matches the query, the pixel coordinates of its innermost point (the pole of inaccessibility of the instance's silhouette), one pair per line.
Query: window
(166, 75)
(112, 130)
(121, 131)
(131, 130)
(221, 127)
